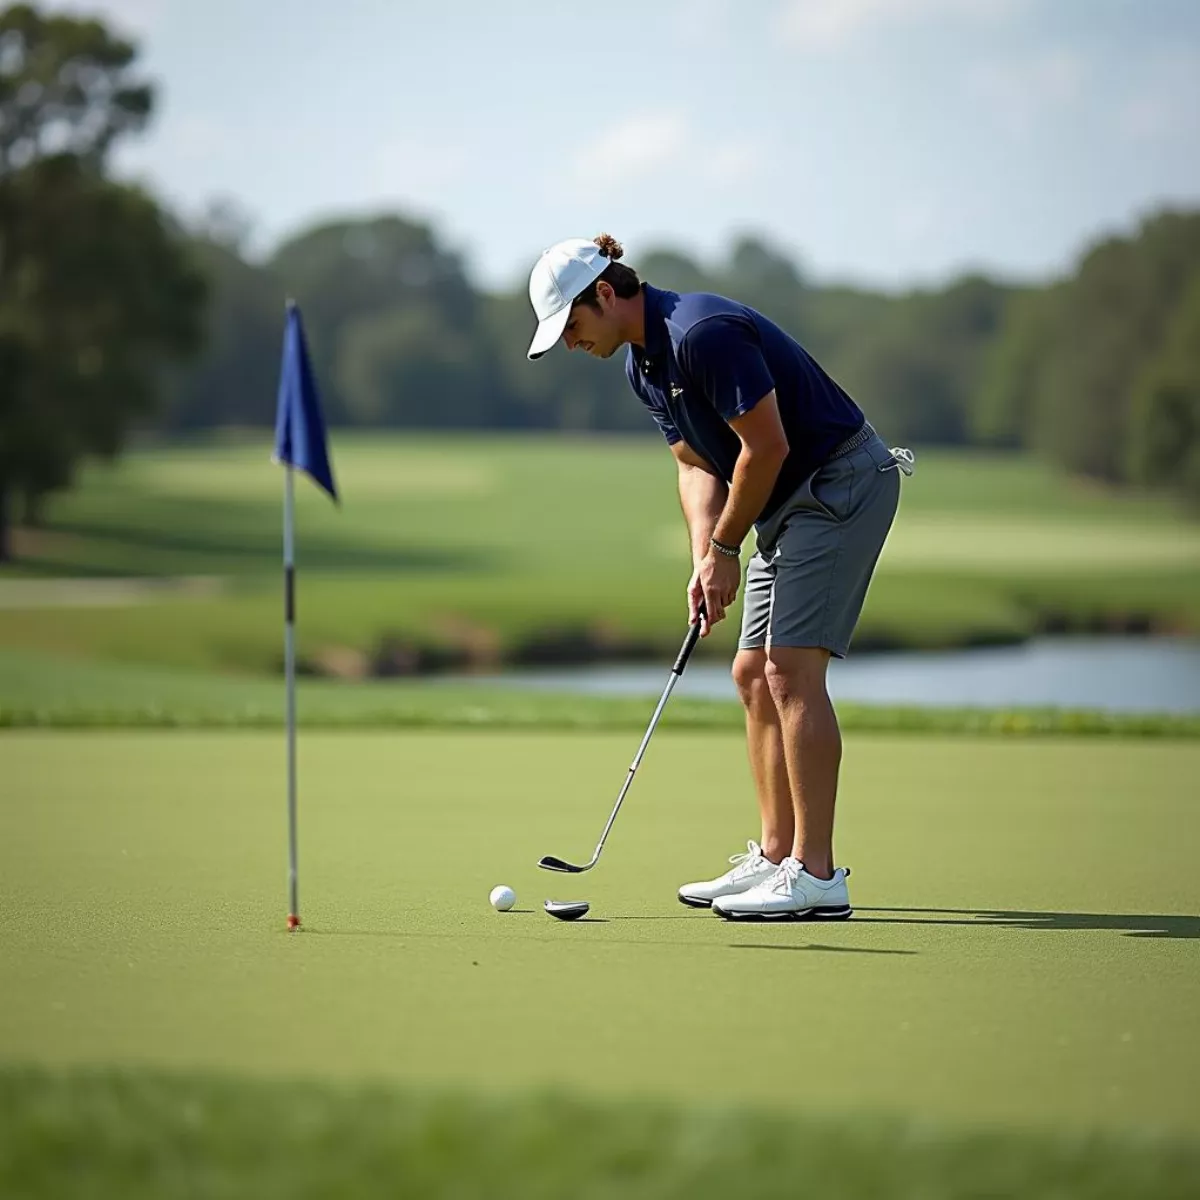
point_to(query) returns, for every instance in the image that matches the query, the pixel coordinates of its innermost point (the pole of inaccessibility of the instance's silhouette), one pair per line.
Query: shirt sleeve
(658, 410)
(723, 356)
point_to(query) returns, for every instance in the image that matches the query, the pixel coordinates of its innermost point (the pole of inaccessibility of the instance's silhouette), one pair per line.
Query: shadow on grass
(1130, 924)
(242, 542)
(56, 568)
(691, 915)
(430, 936)
(816, 946)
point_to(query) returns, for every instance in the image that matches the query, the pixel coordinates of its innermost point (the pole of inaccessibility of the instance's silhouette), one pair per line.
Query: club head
(567, 910)
(550, 863)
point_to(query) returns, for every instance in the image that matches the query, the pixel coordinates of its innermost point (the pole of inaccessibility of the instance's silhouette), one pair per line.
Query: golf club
(550, 862)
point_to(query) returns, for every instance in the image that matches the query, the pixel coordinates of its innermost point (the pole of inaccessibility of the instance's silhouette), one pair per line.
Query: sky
(893, 143)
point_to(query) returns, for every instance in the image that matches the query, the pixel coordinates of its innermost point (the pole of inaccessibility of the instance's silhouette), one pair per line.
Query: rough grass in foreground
(571, 713)
(132, 1134)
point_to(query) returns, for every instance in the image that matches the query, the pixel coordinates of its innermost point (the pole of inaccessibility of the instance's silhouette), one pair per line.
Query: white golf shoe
(790, 893)
(748, 869)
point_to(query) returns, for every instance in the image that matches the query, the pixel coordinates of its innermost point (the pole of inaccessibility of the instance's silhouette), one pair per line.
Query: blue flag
(299, 426)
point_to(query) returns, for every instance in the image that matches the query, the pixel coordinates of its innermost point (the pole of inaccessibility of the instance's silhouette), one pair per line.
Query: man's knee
(749, 676)
(796, 674)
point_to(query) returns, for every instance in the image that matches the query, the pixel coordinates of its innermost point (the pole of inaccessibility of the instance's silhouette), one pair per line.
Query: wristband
(721, 548)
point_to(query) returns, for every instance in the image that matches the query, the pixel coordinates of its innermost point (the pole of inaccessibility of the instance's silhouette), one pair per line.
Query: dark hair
(622, 279)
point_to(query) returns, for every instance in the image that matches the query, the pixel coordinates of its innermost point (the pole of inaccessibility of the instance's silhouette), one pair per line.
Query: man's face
(595, 330)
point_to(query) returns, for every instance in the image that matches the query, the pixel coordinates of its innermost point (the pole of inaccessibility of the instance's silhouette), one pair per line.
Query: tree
(1079, 420)
(345, 270)
(101, 296)
(66, 88)
(233, 382)
(770, 277)
(674, 271)
(1011, 370)
(1073, 359)
(916, 361)
(96, 294)
(1164, 443)
(561, 391)
(407, 367)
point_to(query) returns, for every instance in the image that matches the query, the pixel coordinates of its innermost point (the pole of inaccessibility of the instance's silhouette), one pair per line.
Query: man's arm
(723, 356)
(702, 496)
(764, 447)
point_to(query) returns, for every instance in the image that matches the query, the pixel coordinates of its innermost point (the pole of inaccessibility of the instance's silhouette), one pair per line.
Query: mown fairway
(491, 539)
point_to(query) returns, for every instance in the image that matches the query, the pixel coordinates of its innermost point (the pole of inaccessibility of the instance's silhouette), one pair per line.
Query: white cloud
(1165, 105)
(704, 24)
(661, 147)
(198, 139)
(916, 215)
(631, 149)
(1021, 91)
(834, 24)
(731, 162)
(416, 169)
(1146, 118)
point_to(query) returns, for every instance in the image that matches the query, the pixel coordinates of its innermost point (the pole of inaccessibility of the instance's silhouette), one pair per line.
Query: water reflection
(1115, 674)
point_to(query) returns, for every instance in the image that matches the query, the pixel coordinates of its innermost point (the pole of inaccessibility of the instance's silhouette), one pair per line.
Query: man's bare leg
(765, 745)
(812, 750)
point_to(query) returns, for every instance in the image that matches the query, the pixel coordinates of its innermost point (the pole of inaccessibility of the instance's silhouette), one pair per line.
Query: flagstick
(299, 442)
(289, 643)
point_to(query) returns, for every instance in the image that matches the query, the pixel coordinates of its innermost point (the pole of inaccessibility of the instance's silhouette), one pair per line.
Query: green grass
(145, 1134)
(494, 540)
(1010, 1013)
(1024, 952)
(44, 691)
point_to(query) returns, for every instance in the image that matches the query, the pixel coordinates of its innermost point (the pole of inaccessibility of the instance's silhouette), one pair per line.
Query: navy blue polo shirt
(707, 360)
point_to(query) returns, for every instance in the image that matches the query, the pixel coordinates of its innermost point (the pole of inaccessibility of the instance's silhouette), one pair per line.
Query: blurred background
(983, 218)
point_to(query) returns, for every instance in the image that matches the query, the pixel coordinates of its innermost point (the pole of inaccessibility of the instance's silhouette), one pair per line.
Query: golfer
(763, 437)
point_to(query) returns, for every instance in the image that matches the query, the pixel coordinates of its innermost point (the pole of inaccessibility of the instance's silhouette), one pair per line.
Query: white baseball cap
(557, 278)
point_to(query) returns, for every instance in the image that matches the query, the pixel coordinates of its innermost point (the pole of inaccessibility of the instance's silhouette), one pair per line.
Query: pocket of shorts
(831, 488)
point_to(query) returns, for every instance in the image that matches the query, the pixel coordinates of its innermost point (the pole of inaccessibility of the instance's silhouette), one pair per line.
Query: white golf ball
(502, 898)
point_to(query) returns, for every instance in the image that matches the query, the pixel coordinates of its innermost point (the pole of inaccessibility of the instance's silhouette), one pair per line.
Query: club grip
(689, 643)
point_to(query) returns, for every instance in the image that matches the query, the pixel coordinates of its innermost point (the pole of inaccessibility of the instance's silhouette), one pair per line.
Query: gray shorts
(807, 580)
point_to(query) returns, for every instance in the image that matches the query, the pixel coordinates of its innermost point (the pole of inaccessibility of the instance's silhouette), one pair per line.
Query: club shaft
(662, 703)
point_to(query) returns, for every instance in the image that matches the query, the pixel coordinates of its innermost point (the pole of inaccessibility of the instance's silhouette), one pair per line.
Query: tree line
(115, 315)
(1099, 371)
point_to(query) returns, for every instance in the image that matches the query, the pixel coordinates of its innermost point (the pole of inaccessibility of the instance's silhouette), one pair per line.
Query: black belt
(853, 442)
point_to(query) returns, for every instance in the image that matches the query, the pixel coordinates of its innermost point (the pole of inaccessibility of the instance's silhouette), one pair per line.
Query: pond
(1117, 674)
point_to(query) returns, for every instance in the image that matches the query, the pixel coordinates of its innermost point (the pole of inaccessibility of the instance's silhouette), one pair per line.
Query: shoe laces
(786, 874)
(745, 864)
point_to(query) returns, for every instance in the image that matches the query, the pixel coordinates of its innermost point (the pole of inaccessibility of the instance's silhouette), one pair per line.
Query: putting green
(1024, 953)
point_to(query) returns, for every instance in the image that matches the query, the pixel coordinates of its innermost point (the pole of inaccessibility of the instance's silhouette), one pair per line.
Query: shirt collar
(656, 330)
